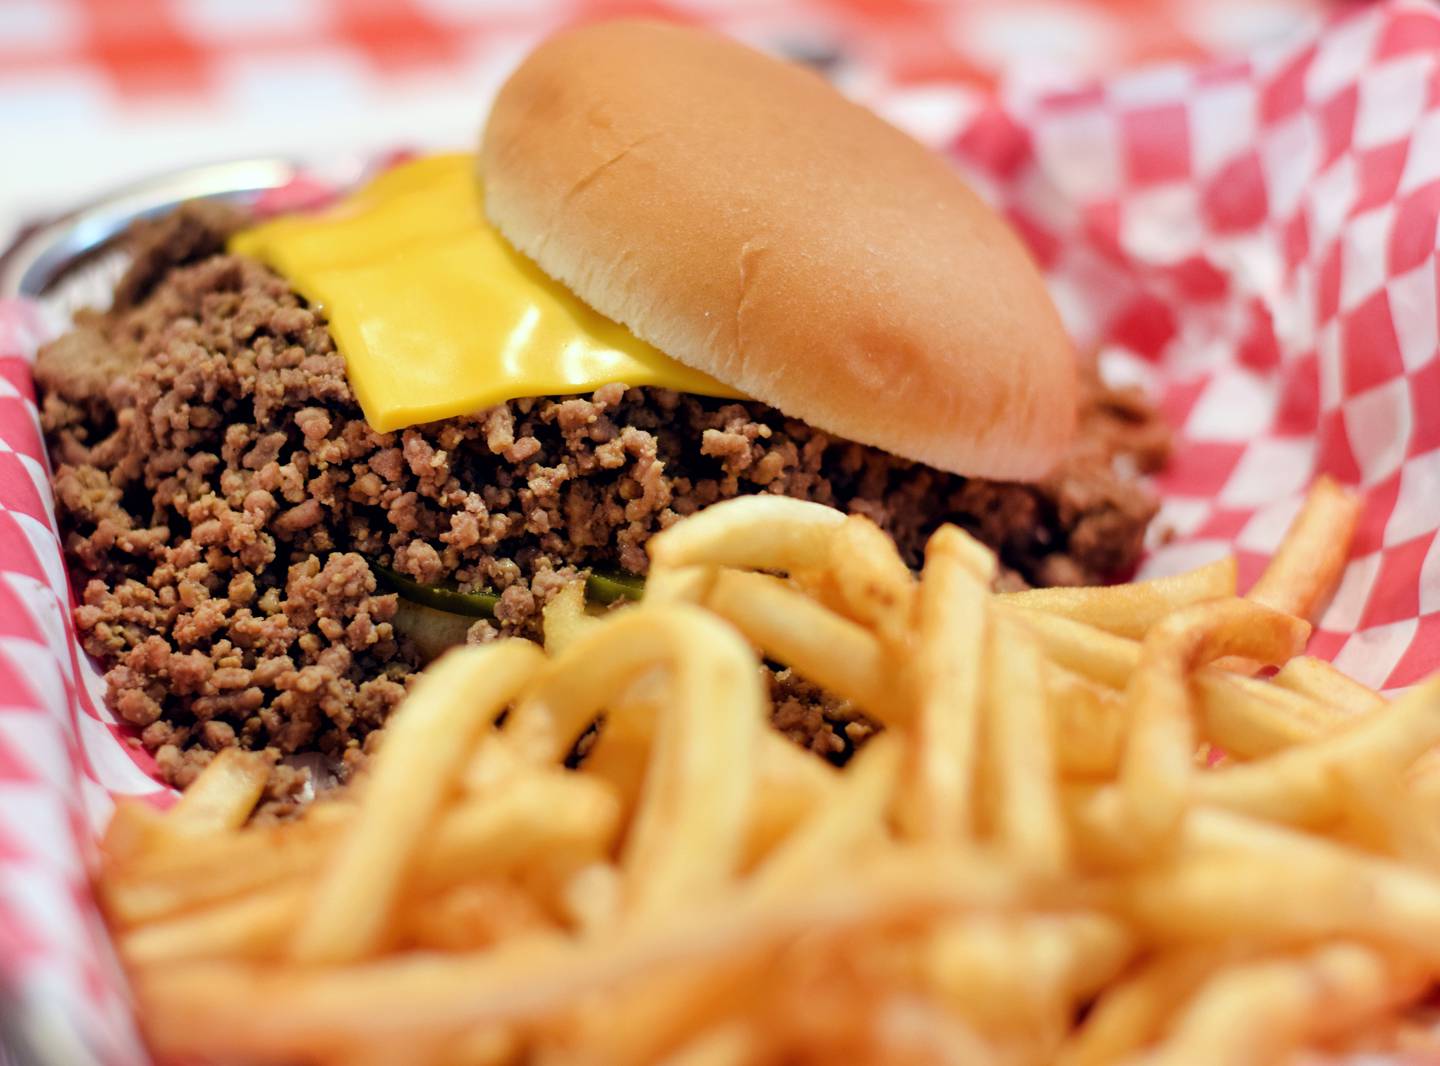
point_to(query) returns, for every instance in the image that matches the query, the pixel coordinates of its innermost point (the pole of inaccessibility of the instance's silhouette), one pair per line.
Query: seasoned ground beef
(223, 499)
(813, 718)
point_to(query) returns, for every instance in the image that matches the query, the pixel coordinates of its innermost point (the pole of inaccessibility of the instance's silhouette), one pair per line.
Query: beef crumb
(815, 719)
(222, 502)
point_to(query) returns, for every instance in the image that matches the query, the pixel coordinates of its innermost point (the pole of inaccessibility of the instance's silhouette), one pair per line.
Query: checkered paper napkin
(1255, 241)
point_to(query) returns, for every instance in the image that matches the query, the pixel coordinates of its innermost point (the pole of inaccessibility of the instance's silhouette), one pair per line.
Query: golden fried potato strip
(426, 746)
(1083, 803)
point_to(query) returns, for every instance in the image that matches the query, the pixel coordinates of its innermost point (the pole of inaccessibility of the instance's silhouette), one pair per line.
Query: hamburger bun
(742, 216)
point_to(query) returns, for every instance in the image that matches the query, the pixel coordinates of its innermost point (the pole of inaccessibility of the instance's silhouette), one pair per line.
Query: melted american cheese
(436, 315)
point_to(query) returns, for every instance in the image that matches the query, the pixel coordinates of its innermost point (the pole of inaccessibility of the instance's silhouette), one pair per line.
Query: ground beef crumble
(222, 499)
(815, 719)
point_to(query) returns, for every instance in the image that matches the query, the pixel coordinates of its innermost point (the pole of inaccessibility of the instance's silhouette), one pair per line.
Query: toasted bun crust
(739, 214)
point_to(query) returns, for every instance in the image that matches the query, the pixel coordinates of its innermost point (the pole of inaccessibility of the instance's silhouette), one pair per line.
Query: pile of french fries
(1092, 831)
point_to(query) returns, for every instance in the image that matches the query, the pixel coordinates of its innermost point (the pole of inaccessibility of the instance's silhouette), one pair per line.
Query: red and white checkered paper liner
(1255, 241)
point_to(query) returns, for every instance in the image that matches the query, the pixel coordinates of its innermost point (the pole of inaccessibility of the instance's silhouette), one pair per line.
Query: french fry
(1076, 809)
(654, 1017)
(501, 757)
(679, 584)
(600, 667)
(1133, 1012)
(1087, 721)
(620, 751)
(1130, 610)
(413, 1048)
(1008, 973)
(1413, 1037)
(688, 833)
(592, 897)
(939, 799)
(1103, 657)
(259, 1011)
(1248, 718)
(689, 826)
(980, 964)
(1308, 565)
(854, 816)
(1296, 786)
(1383, 813)
(1245, 717)
(254, 926)
(546, 813)
(470, 916)
(1374, 813)
(1320, 681)
(224, 794)
(564, 618)
(1156, 765)
(198, 872)
(1424, 779)
(792, 785)
(131, 833)
(425, 749)
(816, 1005)
(184, 909)
(1026, 815)
(1099, 826)
(485, 1045)
(814, 642)
(761, 532)
(652, 1021)
(871, 580)
(979, 560)
(1265, 1011)
(909, 1029)
(731, 1044)
(1228, 888)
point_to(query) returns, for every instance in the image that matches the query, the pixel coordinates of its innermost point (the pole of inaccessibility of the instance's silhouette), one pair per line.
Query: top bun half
(743, 217)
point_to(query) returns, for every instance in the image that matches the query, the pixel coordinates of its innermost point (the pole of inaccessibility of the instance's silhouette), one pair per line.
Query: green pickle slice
(437, 616)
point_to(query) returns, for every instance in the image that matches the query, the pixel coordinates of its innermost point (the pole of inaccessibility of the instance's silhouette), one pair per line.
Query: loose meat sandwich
(294, 457)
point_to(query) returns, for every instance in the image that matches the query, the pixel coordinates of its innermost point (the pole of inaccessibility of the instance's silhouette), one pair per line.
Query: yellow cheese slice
(436, 315)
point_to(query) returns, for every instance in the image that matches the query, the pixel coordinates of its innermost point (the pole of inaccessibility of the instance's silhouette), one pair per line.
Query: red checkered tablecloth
(95, 92)
(1253, 238)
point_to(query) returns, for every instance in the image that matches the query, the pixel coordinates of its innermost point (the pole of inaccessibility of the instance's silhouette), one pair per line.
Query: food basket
(1253, 241)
